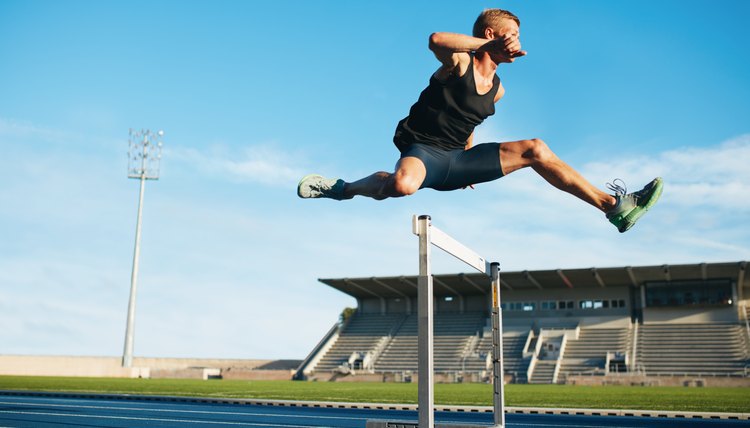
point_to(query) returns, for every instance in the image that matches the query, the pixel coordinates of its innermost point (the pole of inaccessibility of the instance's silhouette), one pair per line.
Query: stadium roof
(473, 284)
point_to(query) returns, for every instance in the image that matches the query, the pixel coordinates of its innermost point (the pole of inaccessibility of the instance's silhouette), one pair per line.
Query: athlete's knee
(404, 184)
(538, 151)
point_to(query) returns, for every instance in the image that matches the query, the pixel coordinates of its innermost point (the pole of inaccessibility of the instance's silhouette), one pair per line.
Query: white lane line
(272, 415)
(131, 418)
(571, 426)
(200, 412)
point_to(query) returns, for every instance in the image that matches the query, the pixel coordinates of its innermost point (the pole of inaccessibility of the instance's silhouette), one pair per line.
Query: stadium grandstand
(669, 324)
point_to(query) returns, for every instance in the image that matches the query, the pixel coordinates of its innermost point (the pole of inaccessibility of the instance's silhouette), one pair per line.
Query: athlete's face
(507, 27)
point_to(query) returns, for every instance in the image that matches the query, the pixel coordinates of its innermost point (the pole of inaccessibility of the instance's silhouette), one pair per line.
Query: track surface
(91, 411)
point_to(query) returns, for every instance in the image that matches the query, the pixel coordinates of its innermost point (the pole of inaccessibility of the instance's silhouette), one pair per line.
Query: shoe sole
(299, 185)
(639, 211)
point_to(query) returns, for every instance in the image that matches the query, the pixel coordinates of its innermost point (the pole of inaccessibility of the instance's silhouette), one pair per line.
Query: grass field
(736, 400)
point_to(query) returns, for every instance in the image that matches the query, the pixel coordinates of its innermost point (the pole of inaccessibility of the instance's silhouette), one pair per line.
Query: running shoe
(631, 206)
(317, 186)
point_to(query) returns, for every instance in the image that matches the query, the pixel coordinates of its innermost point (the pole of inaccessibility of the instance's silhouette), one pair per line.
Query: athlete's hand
(513, 46)
(505, 48)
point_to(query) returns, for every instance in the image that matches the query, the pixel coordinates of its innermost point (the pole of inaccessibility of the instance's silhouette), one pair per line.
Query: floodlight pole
(143, 163)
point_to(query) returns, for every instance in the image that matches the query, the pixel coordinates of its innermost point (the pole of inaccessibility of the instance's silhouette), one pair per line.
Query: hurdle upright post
(498, 372)
(425, 303)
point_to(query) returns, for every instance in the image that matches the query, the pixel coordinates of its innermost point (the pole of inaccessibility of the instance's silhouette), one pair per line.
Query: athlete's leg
(536, 154)
(623, 209)
(406, 180)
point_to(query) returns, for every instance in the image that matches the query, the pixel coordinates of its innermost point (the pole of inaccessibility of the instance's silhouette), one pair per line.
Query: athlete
(436, 138)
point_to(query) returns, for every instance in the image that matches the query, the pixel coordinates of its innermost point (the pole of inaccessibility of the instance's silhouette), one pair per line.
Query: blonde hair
(490, 18)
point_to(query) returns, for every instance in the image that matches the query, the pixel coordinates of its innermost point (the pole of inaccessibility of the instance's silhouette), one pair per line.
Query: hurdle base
(409, 424)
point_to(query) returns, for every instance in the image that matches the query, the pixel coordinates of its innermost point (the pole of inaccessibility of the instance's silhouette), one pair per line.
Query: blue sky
(253, 95)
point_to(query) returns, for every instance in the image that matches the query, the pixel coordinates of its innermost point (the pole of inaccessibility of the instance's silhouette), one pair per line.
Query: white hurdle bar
(430, 235)
(446, 243)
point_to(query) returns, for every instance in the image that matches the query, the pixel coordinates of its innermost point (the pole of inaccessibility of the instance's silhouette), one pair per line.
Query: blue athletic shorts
(456, 169)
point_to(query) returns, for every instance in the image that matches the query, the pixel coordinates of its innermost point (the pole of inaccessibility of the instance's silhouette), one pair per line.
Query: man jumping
(435, 140)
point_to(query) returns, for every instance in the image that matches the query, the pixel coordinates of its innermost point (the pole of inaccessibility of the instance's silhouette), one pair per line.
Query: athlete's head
(495, 19)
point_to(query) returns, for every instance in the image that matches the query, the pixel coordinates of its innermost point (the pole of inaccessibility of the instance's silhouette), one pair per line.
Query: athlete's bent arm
(451, 50)
(445, 44)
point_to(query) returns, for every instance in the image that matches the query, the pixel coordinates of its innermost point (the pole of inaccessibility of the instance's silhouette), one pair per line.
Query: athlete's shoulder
(456, 68)
(500, 88)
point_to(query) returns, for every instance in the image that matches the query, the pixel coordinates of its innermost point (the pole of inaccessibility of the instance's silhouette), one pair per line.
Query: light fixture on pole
(144, 159)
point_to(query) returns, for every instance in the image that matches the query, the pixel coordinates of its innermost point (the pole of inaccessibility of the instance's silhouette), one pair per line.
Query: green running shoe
(631, 206)
(317, 186)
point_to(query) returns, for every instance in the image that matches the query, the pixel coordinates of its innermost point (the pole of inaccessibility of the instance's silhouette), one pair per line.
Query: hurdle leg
(498, 373)
(426, 393)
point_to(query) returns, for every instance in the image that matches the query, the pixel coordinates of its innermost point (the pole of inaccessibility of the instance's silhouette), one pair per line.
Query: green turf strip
(735, 400)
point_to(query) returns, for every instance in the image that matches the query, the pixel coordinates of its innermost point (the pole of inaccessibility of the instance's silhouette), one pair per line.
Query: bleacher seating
(461, 344)
(513, 362)
(361, 334)
(455, 336)
(544, 371)
(452, 334)
(588, 353)
(692, 349)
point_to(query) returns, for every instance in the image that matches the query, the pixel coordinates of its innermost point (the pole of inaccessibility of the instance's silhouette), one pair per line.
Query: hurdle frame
(430, 235)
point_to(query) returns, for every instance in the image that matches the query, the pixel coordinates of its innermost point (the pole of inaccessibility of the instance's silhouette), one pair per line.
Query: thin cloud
(264, 164)
(22, 133)
(714, 176)
(15, 128)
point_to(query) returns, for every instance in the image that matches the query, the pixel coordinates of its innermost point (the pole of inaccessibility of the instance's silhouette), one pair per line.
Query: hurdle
(430, 235)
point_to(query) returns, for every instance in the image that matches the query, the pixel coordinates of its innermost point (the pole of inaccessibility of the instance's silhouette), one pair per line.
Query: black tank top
(446, 113)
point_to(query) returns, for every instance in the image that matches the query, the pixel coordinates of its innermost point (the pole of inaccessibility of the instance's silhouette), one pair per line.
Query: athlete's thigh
(515, 155)
(479, 164)
(424, 163)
